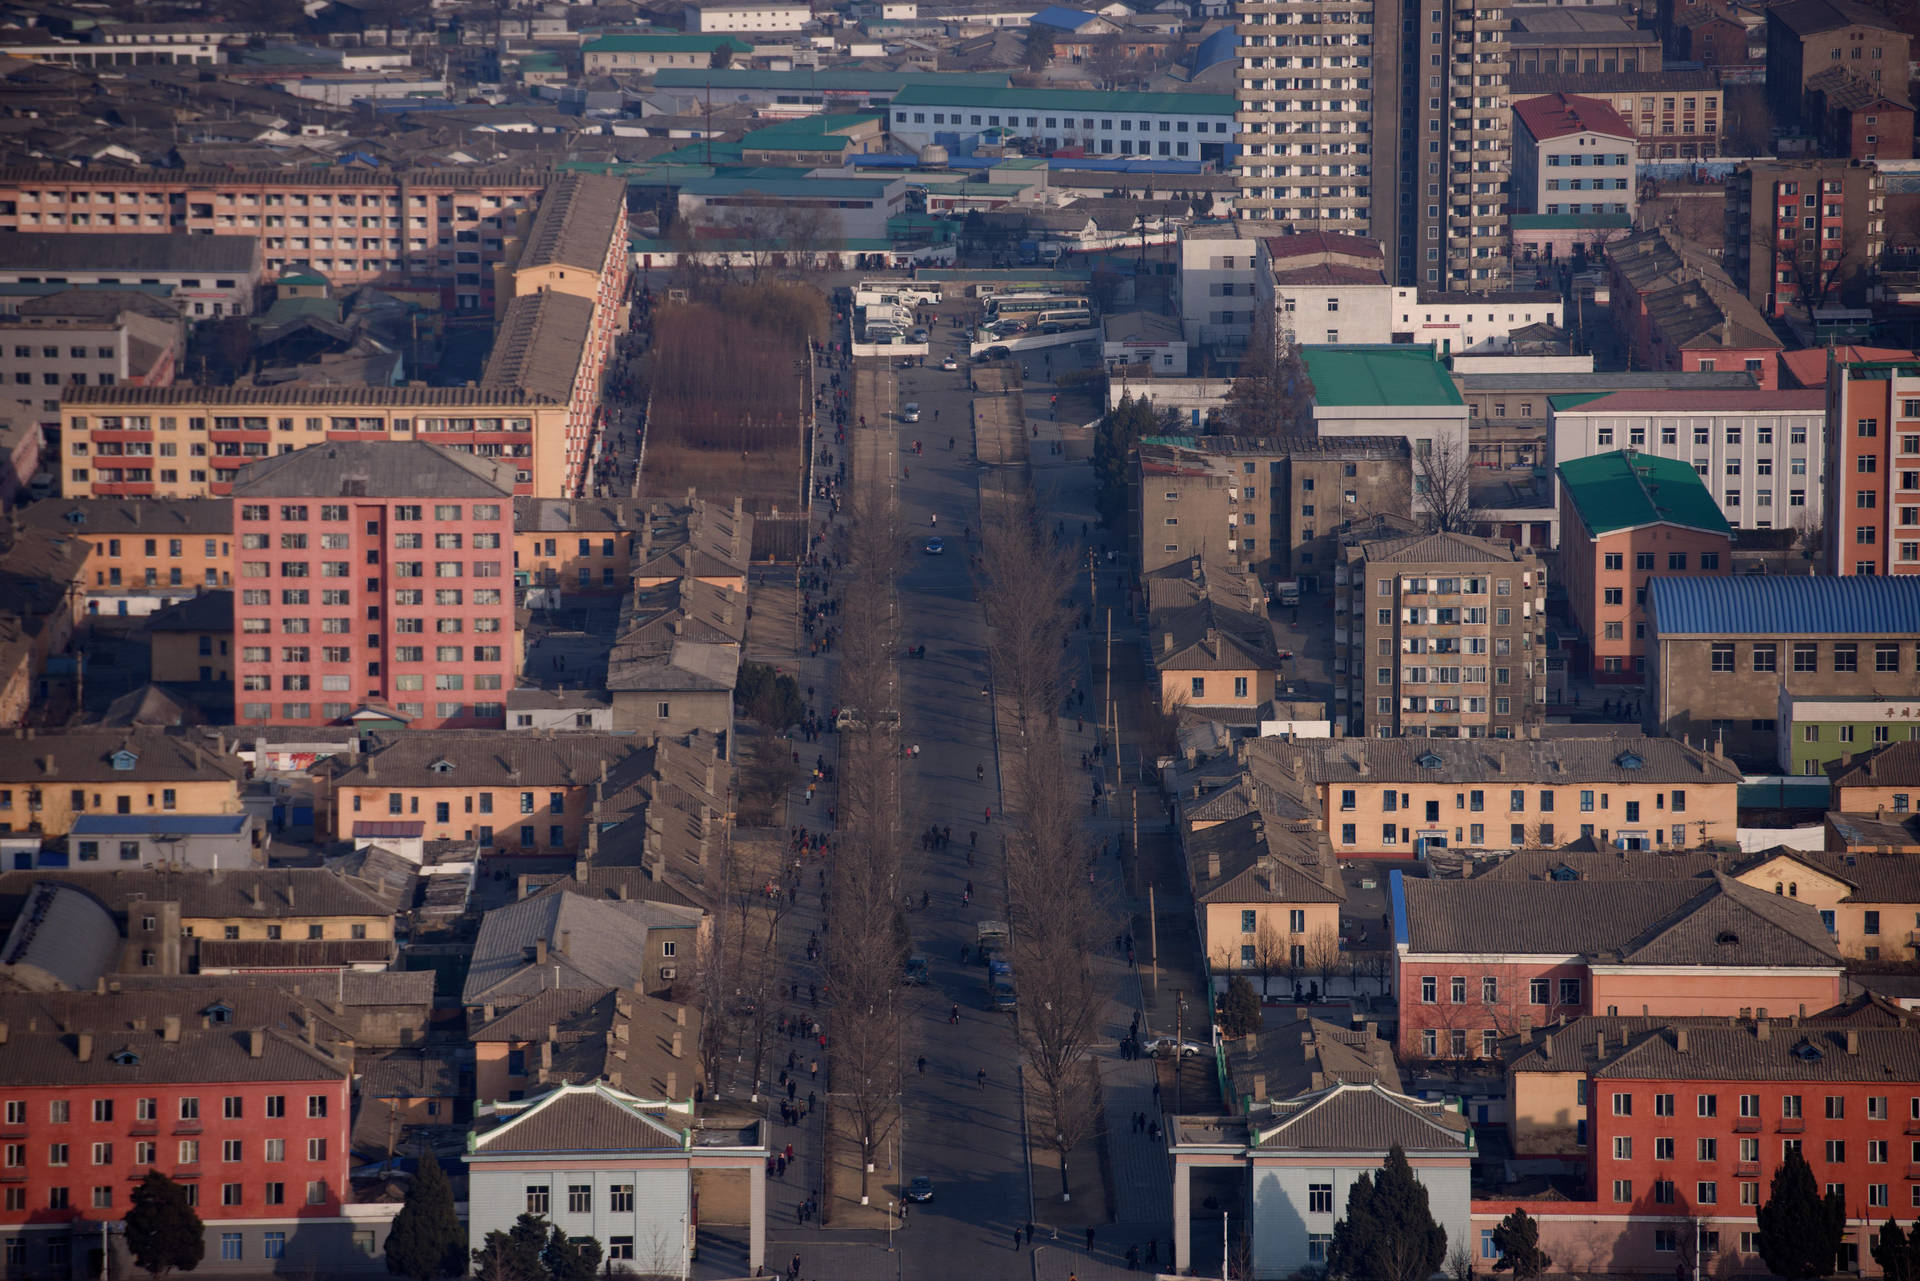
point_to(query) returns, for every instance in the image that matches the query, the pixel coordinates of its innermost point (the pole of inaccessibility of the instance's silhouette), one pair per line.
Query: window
(1707, 1105)
(1622, 1147)
(1707, 1149)
(579, 1198)
(1623, 1105)
(1806, 656)
(1765, 657)
(1457, 990)
(620, 1198)
(1570, 995)
(537, 1198)
(230, 1249)
(1622, 1191)
(1320, 1198)
(1663, 1105)
(1539, 990)
(1722, 656)
(1429, 990)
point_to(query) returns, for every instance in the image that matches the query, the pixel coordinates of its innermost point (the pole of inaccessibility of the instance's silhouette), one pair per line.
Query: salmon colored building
(1624, 517)
(374, 579)
(1873, 467)
(1478, 961)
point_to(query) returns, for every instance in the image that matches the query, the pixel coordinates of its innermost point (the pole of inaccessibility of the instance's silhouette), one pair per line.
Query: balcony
(1746, 1169)
(1746, 1125)
(1791, 1125)
(140, 1129)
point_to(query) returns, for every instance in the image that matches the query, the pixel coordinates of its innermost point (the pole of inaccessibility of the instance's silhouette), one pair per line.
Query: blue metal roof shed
(1791, 605)
(160, 824)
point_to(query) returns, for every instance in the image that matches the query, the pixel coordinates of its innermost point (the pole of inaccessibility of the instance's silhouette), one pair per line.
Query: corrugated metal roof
(1795, 605)
(1626, 490)
(159, 824)
(1378, 375)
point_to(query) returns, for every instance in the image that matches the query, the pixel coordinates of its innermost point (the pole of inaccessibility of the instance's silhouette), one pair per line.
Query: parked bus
(1053, 322)
(1018, 304)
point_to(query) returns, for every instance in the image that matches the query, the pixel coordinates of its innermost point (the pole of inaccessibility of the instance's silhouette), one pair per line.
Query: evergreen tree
(427, 1240)
(1518, 1240)
(570, 1260)
(163, 1232)
(1113, 445)
(1800, 1231)
(513, 1255)
(1240, 1012)
(1388, 1233)
(1897, 1254)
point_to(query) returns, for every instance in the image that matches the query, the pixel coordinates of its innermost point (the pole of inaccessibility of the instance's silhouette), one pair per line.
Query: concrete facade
(1805, 233)
(1873, 468)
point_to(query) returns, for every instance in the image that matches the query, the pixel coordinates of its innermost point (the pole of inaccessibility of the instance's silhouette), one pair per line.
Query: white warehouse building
(1165, 126)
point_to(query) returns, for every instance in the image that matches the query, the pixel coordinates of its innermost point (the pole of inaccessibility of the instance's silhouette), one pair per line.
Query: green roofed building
(1165, 126)
(1388, 389)
(1624, 518)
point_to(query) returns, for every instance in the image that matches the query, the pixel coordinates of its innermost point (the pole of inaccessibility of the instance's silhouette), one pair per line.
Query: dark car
(995, 352)
(920, 1188)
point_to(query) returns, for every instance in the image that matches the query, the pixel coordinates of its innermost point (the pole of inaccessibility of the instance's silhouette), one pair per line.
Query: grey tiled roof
(131, 251)
(1895, 765)
(486, 758)
(154, 517)
(1263, 862)
(1562, 761)
(1365, 1118)
(1602, 865)
(576, 221)
(86, 756)
(387, 469)
(43, 1045)
(539, 345)
(1301, 1055)
(1786, 1050)
(246, 893)
(605, 944)
(578, 1118)
(1676, 922)
(1442, 548)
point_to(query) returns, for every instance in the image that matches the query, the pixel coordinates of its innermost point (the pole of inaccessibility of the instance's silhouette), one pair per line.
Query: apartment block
(190, 442)
(1270, 506)
(355, 225)
(1572, 155)
(1805, 233)
(1760, 454)
(147, 553)
(1550, 39)
(610, 546)
(1873, 467)
(48, 780)
(1808, 37)
(1728, 657)
(1624, 518)
(1217, 280)
(317, 654)
(1678, 309)
(1439, 635)
(1408, 119)
(85, 337)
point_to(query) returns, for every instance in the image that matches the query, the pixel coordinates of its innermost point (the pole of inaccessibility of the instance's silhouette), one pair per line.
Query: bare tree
(1323, 955)
(1272, 394)
(1443, 484)
(1271, 953)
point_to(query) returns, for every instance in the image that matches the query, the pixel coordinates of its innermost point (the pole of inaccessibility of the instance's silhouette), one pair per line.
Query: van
(991, 938)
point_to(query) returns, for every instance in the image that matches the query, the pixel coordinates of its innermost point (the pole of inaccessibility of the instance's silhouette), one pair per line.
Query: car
(950, 364)
(910, 412)
(916, 971)
(935, 547)
(921, 335)
(919, 1188)
(1166, 1045)
(995, 352)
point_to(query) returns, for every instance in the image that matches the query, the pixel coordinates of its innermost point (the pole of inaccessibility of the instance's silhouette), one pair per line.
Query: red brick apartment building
(448, 225)
(1873, 467)
(374, 575)
(95, 1091)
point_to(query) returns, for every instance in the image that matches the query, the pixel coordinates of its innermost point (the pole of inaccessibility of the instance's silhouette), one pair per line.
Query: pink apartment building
(374, 579)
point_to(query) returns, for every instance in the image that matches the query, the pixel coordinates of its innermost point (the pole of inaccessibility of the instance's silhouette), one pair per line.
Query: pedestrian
(923, 1065)
(1016, 1238)
(813, 1068)
(1029, 1231)
(1089, 1240)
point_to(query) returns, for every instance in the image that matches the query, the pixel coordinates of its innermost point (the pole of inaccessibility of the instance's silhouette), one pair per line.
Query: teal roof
(1569, 222)
(826, 81)
(1383, 374)
(699, 151)
(776, 140)
(919, 92)
(1575, 399)
(1626, 490)
(663, 44)
(834, 188)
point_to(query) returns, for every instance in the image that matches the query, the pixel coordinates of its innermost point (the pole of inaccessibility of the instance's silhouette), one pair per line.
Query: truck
(1286, 591)
(1000, 992)
(991, 938)
(1029, 252)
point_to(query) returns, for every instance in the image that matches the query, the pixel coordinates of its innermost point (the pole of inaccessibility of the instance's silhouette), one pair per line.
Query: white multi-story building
(1217, 280)
(1573, 155)
(747, 17)
(1165, 126)
(1762, 454)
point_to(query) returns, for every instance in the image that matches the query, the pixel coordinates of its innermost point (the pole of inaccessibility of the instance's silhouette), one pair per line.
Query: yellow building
(47, 779)
(1212, 644)
(1379, 797)
(609, 546)
(1268, 894)
(1870, 903)
(191, 643)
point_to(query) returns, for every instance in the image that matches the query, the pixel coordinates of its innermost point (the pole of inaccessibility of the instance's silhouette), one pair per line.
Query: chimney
(566, 936)
(1546, 1046)
(553, 1032)
(1252, 1040)
(256, 1042)
(3, 1031)
(1259, 1088)
(254, 896)
(1526, 1026)
(673, 1086)
(1680, 1039)
(680, 1015)
(676, 1045)
(540, 951)
(1600, 1045)
(1853, 1040)
(546, 1055)
(486, 1012)
(1762, 1030)
(1166, 642)
(1503, 760)
(1213, 867)
(83, 1049)
(169, 1028)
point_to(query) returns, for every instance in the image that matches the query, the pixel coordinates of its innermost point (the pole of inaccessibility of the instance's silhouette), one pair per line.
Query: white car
(1167, 1045)
(910, 412)
(950, 364)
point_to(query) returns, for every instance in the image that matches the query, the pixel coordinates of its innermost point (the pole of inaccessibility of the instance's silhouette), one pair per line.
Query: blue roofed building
(120, 842)
(1073, 22)
(1745, 659)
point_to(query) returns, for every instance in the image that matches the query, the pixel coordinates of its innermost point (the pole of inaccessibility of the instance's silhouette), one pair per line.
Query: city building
(190, 442)
(1562, 133)
(1807, 37)
(620, 53)
(1482, 960)
(1805, 233)
(252, 1121)
(1677, 309)
(1859, 118)
(1217, 279)
(1675, 114)
(191, 643)
(209, 276)
(211, 842)
(1211, 645)
(1873, 467)
(1594, 40)
(357, 225)
(1268, 895)
(146, 554)
(1209, 496)
(1439, 635)
(1882, 780)
(604, 1163)
(611, 545)
(1624, 518)
(386, 510)
(562, 939)
(1169, 126)
(105, 337)
(1418, 163)
(1679, 1125)
(1724, 653)
(1815, 732)
(1383, 798)
(50, 779)
(765, 15)
(1332, 289)
(1760, 454)
(577, 1035)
